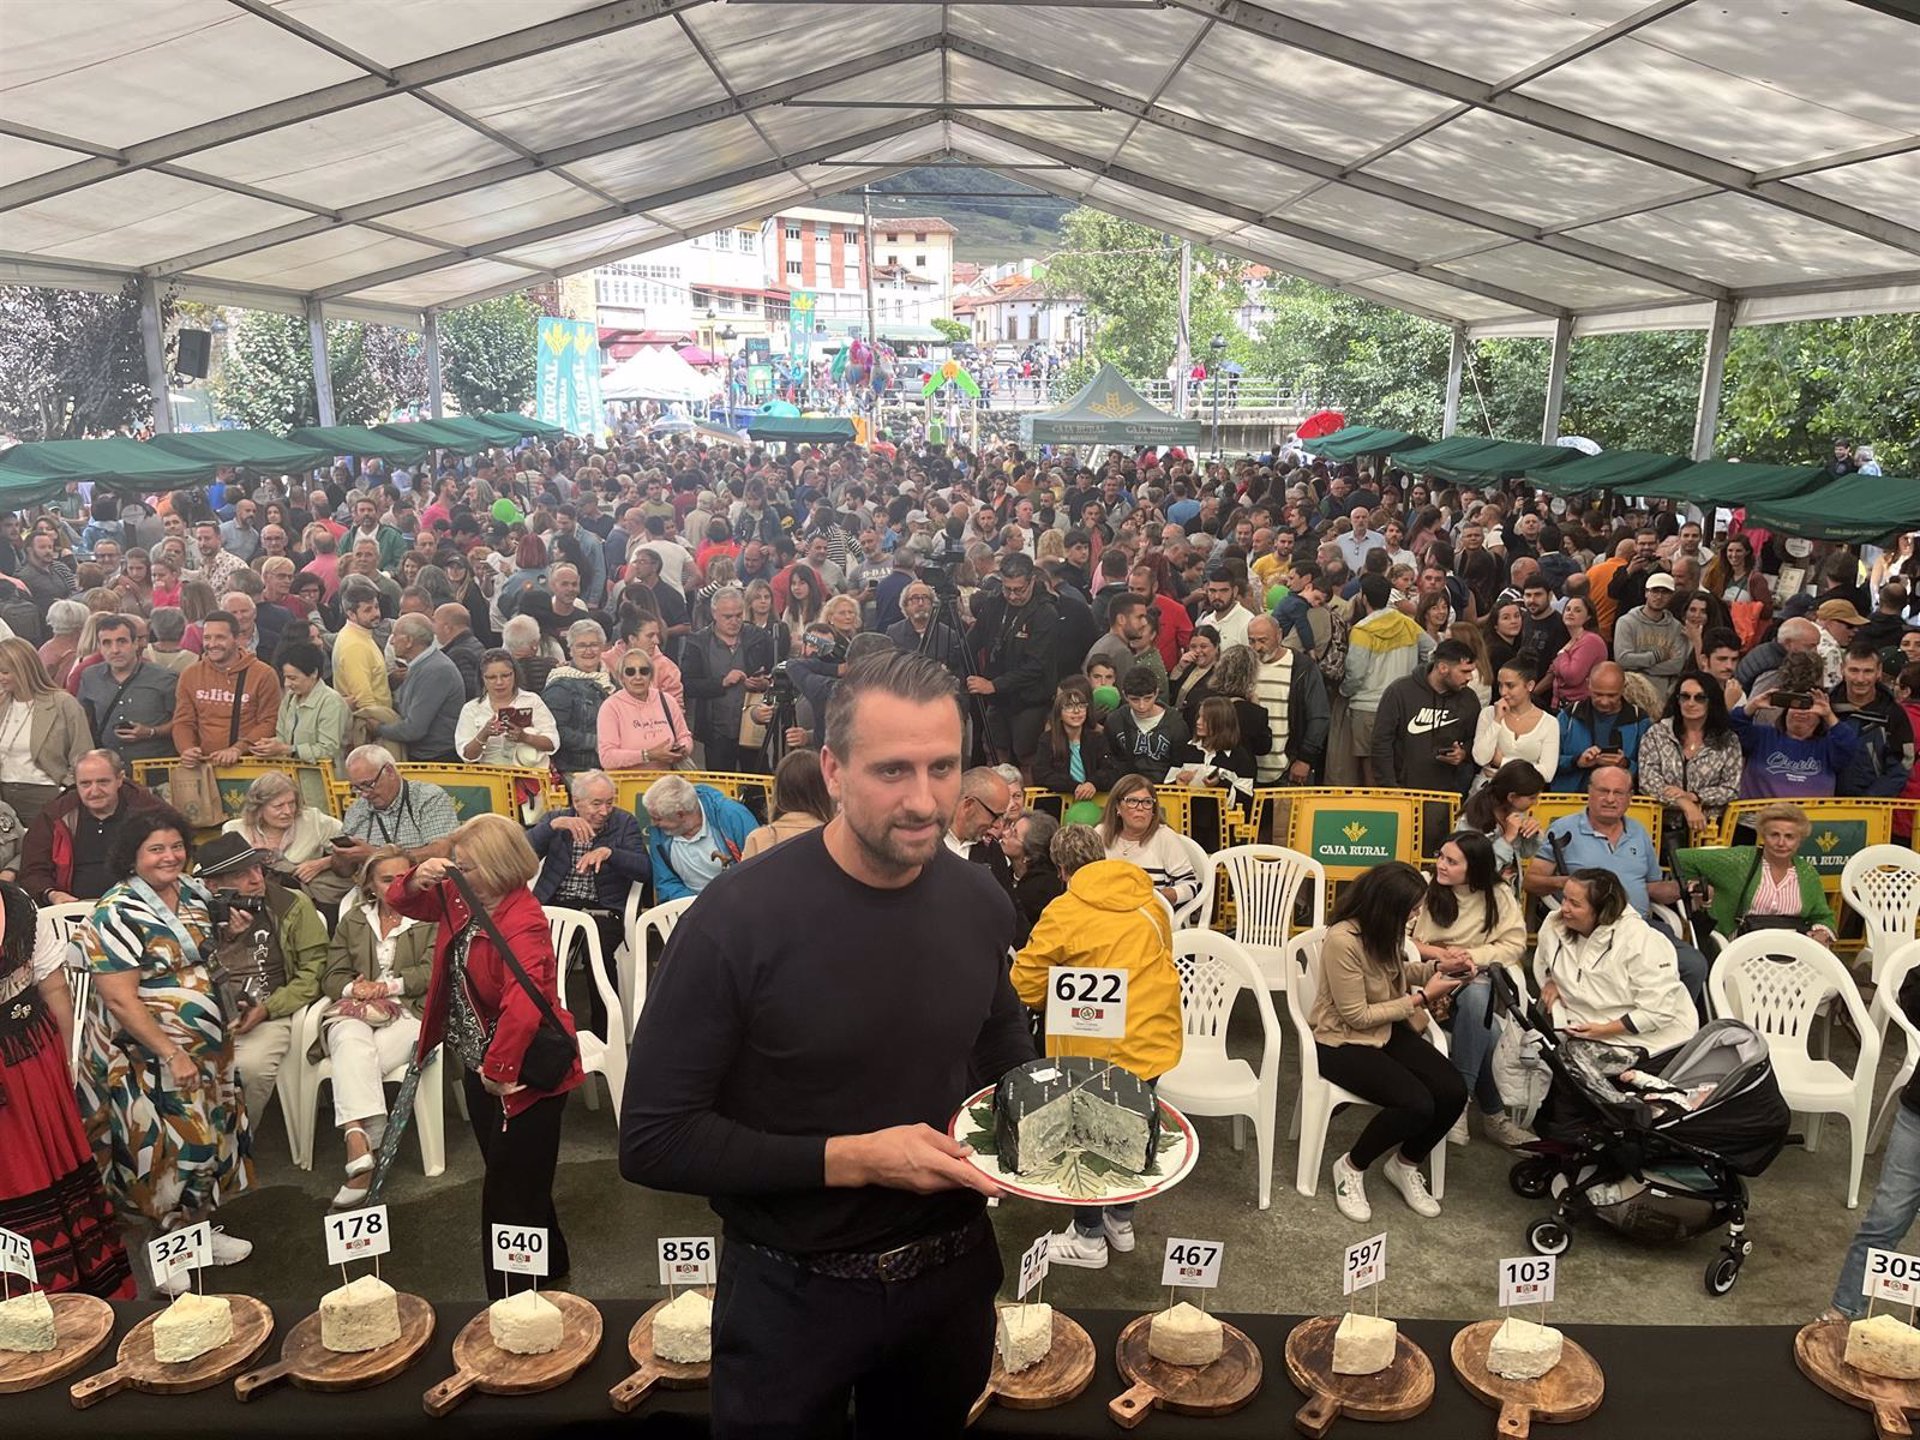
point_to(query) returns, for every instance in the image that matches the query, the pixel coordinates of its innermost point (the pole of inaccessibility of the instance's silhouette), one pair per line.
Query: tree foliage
(1128, 277)
(266, 379)
(952, 329)
(1792, 390)
(397, 359)
(488, 353)
(70, 363)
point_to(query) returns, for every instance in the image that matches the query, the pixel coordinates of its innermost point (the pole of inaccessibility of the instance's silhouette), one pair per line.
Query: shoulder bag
(551, 1052)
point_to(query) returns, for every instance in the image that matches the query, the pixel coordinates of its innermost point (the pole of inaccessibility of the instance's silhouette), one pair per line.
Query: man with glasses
(987, 808)
(720, 669)
(389, 809)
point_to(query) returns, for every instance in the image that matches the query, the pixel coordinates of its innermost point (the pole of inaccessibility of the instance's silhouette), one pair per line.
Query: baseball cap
(1841, 610)
(1660, 582)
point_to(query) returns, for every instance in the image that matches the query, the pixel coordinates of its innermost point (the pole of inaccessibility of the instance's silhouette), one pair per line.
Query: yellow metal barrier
(1351, 830)
(317, 785)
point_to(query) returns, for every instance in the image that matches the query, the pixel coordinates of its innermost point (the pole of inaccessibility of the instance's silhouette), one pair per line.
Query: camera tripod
(946, 611)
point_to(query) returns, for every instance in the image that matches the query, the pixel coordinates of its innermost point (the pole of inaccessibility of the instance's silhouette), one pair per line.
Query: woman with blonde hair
(294, 838)
(66, 622)
(378, 966)
(43, 732)
(1475, 639)
(490, 1019)
(1766, 885)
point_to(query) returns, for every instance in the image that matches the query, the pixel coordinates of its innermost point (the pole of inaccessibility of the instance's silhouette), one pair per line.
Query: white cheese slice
(1185, 1335)
(190, 1327)
(362, 1315)
(1364, 1344)
(1522, 1350)
(1884, 1346)
(526, 1324)
(683, 1329)
(26, 1323)
(1023, 1334)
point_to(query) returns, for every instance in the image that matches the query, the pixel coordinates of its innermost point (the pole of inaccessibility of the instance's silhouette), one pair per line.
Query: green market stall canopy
(801, 429)
(1354, 441)
(1853, 508)
(252, 449)
(1608, 470)
(39, 470)
(1466, 458)
(1108, 411)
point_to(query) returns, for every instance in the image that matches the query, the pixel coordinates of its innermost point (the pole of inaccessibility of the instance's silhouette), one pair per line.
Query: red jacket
(496, 993)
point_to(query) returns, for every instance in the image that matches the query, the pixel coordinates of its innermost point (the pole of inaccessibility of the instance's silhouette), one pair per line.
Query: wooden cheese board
(1570, 1391)
(1399, 1392)
(311, 1366)
(1820, 1351)
(82, 1325)
(1062, 1375)
(650, 1370)
(137, 1369)
(481, 1365)
(1217, 1389)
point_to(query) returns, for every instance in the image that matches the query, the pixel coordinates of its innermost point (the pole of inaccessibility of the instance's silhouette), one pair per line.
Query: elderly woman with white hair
(65, 620)
(295, 839)
(533, 654)
(575, 691)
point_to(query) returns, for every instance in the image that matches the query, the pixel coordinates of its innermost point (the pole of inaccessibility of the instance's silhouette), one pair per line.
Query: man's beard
(888, 852)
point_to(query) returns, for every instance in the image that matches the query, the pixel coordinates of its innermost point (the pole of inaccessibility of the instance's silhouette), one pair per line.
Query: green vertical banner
(567, 375)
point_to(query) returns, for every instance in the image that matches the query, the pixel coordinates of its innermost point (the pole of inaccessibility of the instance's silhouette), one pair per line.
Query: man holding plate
(821, 1012)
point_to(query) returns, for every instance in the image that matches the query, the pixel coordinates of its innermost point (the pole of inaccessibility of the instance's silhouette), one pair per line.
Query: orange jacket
(203, 709)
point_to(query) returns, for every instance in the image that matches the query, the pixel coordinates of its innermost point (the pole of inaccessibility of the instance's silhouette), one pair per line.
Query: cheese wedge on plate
(526, 1324)
(1884, 1346)
(26, 1323)
(1023, 1334)
(1522, 1350)
(190, 1327)
(683, 1329)
(1364, 1344)
(1185, 1335)
(363, 1315)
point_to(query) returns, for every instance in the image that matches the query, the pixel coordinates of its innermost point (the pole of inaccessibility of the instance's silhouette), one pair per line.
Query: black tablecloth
(1685, 1382)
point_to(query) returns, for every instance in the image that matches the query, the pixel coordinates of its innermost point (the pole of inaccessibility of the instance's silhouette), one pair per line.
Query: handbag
(383, 1010)
(1751, 922)
(195, 792)
(550, 1054)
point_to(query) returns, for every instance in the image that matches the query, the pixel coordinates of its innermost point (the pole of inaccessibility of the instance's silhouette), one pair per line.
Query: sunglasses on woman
(636, 670)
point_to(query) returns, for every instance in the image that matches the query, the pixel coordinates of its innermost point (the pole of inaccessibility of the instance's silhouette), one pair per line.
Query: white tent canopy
(657, 373)
(1507, 166)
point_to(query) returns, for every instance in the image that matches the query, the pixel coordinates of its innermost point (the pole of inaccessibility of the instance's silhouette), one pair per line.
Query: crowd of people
(1154, 621)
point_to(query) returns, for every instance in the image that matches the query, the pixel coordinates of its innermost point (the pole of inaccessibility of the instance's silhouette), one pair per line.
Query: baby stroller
(1660, 1151)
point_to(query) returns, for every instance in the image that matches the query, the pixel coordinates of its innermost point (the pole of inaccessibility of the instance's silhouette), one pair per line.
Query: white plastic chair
(429, 1105)
(1885, 1009)
(1776, 981)
(1881, 884)
(597, 1056)
(655, 920)
(1197, 913)
(1265, 882)
(1214, 969)
(1313, 1111)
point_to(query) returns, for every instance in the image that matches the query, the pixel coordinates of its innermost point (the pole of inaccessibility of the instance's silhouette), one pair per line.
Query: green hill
(991, 229)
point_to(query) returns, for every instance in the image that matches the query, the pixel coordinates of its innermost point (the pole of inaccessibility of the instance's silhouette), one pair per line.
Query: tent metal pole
(436, 400)
(1183, 348)
(1456, 370)
(153, 345)
(1557, 379)
(1713, 371)
(322, 368)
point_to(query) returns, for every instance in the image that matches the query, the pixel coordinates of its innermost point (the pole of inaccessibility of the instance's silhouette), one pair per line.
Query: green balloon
(1276, 592)
(1083, 812)
(1107, 697)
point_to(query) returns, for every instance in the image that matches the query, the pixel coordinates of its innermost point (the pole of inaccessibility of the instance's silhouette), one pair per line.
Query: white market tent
(1530, 167)
(655, 372)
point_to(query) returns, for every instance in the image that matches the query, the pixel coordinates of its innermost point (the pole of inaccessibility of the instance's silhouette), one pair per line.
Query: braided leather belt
(903, 1262)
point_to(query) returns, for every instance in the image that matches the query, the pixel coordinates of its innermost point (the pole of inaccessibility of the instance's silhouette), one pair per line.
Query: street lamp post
(1218, 345)
(727, 337)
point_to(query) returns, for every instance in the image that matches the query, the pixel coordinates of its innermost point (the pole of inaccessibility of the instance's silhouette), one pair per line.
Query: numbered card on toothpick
(16, 1257)
(187, 1249)
(1892, 1276)
(687, 1260)
(1526, 1280)
(1033, 1267)
(1366, 1264)
(520, 1249)
(1090, 1004)
(357, 1235)
(1192, 1264)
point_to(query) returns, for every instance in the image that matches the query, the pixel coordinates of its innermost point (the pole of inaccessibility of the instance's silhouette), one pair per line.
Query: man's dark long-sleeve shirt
(794, 1004)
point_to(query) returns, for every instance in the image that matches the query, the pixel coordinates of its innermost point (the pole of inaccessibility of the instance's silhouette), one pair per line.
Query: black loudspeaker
(193, 353)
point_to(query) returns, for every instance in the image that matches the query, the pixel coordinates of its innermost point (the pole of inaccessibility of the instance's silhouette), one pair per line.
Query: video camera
(222, 904)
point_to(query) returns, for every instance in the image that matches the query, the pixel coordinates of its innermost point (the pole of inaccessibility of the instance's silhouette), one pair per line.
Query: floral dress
(167, 1154)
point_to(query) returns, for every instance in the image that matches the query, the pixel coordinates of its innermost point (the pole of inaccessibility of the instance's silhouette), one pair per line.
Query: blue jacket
(1581, 726)
(728, 821)
(626, 864)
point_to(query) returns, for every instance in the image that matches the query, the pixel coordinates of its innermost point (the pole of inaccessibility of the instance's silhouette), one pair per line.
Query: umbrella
(1232, 368)
(1321, 422)
(1580, 443)
(396, 1127)
(779, 408)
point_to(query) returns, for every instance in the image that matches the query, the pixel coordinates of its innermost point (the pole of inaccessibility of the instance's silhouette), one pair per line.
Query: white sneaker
(1458, 1134)
(1350, 1191)
(1503, 1129)
(229, 1249)
(1070, 1247)
(1412, 1186)
(1119, 1233)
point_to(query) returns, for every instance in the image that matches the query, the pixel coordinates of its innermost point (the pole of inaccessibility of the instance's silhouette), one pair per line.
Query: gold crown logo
(1827, 841)
(1113, 406)
(1355, 832)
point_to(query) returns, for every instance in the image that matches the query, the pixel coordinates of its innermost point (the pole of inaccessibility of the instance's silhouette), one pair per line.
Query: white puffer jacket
(1623, 971)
